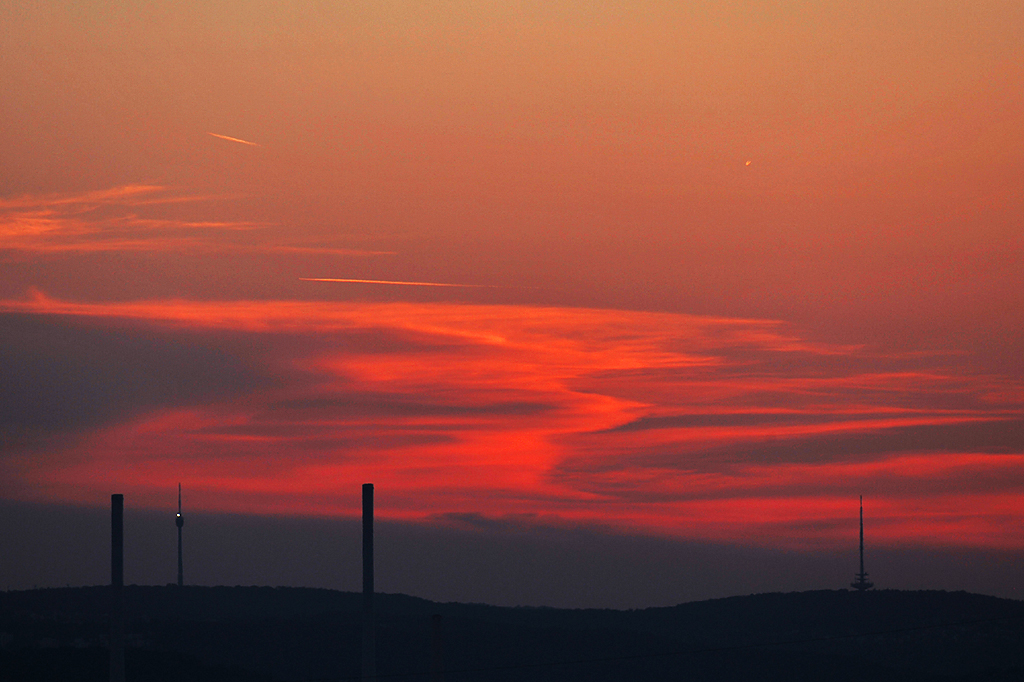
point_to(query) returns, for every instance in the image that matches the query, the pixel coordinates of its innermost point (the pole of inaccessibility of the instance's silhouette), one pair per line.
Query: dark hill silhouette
(263, 633)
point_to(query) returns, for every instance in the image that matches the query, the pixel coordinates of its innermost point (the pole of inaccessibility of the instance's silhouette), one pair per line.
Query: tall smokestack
(117, 588)
(180, 521)
(437, 649)
(369, 649)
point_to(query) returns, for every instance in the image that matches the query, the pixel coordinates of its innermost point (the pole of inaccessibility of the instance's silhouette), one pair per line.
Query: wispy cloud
(104, 221)
(124, 194)
(121, 219)
(620, 419)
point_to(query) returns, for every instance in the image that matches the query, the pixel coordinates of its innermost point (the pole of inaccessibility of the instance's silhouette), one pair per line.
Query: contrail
(234, 139)
(403, 284)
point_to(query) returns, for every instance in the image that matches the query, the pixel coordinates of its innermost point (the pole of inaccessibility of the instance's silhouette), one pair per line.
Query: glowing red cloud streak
(106, 221)
(706, 428)
(124, 194)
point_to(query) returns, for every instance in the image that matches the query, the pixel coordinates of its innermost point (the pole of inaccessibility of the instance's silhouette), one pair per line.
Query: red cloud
(112, 221)
(698, 427)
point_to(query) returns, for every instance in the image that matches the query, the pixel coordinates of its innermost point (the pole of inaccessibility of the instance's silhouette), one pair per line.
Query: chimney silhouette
(436, 649)
(861, 583)
(369, 651)
(179, 521)
(117, 588)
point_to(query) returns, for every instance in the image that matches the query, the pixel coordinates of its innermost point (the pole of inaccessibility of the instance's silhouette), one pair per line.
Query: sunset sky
(701, 272)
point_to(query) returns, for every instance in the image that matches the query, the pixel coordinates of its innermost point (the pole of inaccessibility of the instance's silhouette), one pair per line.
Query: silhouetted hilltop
(264, 633)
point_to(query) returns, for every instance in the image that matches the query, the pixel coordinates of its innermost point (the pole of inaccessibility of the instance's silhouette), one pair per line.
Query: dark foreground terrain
(277, 634)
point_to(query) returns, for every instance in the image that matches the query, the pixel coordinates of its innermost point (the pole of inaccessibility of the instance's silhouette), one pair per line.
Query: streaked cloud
(616, 419)
(114, 220)
(103, 221)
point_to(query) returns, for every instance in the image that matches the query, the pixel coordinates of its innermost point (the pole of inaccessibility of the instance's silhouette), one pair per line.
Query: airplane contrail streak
(234, 139)
(404, 284)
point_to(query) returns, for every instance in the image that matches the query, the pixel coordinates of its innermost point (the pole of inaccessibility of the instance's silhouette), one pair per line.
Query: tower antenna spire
(861, 583)
(179, 521)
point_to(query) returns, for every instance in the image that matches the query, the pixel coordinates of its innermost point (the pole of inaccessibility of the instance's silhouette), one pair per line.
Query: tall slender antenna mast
(861, 583)
(179, 521)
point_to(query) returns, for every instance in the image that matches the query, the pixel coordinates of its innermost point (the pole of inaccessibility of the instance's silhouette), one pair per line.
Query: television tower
(179, 522)
(861, 583)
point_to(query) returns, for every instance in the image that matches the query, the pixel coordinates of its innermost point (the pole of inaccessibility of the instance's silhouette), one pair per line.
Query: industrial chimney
(369, 667)
(117, 588)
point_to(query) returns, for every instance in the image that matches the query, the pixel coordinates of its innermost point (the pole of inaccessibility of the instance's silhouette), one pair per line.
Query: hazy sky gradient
(731, 263)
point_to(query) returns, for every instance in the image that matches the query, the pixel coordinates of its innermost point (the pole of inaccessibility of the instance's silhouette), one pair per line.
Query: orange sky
(730, 264)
